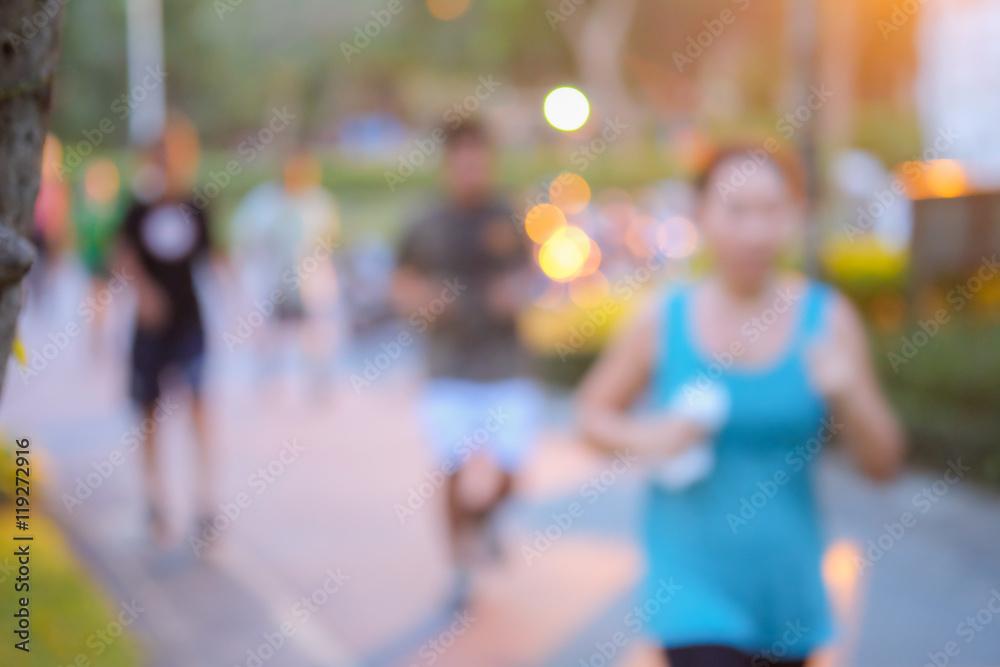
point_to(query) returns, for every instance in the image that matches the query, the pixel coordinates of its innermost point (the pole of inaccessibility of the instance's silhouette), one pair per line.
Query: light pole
(145, 57)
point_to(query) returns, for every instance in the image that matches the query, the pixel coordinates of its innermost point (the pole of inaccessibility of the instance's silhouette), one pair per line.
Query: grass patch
(70, 615)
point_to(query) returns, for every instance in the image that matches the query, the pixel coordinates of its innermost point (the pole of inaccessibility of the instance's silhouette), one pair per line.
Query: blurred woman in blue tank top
(749, 371)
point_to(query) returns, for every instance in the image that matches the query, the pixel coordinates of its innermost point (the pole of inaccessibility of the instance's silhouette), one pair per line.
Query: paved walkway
(318, 550)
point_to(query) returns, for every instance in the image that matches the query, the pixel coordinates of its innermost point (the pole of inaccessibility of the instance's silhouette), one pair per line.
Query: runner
(479, 409)
(97, 213)
(788, 358)
(282, 239)
(51, 233)
(163, 236)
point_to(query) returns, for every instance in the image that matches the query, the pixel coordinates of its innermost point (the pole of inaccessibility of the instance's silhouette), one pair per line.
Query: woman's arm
(842, 371)
(616, 379)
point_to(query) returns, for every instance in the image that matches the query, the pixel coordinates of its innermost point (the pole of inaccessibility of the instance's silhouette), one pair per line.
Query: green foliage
(948, 394)
(228, 63)
(885, 131)
(92, 70)
(7, 467)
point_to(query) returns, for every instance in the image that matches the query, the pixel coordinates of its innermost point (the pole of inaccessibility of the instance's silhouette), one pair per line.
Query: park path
(323, 525)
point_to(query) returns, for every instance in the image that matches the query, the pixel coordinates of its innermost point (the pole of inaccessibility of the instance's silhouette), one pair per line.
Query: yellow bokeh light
(563, 255)
(566, 109)
(542, 221)
(570, 192)
(101, 181)
(589, 291)
(447, 10)
(677, 238)
(945, 178)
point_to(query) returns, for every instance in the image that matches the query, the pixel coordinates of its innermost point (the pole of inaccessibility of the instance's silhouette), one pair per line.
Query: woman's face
(748, 226)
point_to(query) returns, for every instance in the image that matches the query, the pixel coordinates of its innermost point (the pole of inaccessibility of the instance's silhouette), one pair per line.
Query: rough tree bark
(29, 37)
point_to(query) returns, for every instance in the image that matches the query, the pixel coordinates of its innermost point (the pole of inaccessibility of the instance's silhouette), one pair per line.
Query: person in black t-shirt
(463, 271)
(163, 237)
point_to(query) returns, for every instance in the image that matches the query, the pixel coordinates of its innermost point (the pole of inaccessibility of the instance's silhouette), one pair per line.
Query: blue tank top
(742, 548)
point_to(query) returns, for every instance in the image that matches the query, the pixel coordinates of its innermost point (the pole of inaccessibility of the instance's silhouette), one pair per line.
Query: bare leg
(153, 479)
(97, 285)
(474, 493)
(204, 496)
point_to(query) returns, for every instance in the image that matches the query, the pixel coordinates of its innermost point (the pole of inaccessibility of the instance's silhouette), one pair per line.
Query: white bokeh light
(567, 108)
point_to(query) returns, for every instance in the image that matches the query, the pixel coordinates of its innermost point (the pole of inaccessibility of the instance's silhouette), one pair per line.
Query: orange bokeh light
(570, 192)
(840, 570)
(542, 221)
(447, 10)
(841, 578)
(945, 178)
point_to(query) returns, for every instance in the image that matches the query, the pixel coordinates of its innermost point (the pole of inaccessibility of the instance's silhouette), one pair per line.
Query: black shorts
(153, 352)
(722, 656)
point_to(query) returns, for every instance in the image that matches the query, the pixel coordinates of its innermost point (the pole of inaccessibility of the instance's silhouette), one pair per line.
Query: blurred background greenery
(230, 63)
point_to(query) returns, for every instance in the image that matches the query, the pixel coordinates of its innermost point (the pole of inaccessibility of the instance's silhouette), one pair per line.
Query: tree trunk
(29, 37)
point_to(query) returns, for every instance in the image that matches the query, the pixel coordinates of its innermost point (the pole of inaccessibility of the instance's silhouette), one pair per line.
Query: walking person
(97, 213)
(461, 275)
(748, 370)
(282, 239)
(163, 237)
